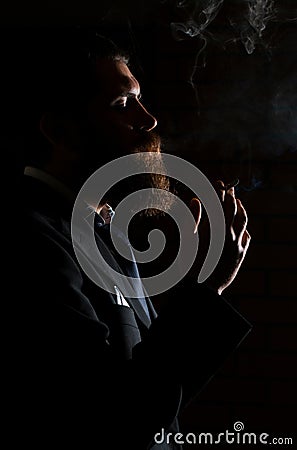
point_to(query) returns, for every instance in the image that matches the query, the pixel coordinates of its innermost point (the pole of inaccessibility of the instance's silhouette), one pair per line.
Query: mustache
(148, 142)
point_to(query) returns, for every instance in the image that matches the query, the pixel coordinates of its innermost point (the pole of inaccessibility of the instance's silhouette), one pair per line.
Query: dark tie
(129, 267)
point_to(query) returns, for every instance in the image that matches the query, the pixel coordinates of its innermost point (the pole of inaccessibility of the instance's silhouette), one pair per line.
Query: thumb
(196, 209)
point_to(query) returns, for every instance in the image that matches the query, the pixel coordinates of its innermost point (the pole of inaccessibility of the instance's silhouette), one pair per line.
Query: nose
(147, 122)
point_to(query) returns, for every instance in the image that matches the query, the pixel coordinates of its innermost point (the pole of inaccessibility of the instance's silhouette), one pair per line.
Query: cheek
(111, 125)
(117, 132)
(112, 129)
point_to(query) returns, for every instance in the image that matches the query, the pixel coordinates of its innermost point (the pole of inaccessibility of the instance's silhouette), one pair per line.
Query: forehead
(115, 78)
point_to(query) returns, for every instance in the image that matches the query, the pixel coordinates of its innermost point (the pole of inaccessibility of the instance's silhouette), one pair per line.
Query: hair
(68, 64)
(52, 70)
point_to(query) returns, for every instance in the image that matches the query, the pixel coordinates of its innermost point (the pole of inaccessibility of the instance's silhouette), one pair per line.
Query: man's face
(118, 124)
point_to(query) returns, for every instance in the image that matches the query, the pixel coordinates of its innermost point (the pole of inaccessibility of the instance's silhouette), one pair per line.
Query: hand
(237, 238)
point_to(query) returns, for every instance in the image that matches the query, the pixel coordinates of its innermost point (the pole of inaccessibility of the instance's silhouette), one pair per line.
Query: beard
(149, 158)
(95, 150)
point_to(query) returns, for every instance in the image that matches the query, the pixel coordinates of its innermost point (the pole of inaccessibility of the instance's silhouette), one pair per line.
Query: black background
(232, 113)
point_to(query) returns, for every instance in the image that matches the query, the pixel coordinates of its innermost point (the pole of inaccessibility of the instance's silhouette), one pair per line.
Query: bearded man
(94, 368)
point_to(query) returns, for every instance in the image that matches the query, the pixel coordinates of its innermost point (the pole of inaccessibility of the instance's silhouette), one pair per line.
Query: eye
(125, 102)
(120, 103)
(119, 106)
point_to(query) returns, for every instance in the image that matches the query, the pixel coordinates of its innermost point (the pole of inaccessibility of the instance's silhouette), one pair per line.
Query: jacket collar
(41, 197)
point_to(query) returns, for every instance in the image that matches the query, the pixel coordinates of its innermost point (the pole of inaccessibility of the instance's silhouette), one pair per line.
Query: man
(92, 368)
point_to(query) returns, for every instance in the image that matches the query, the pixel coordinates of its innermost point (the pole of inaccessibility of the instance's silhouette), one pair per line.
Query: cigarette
(231, 184)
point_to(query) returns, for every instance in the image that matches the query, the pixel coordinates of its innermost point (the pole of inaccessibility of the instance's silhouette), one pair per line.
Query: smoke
(249, 20)
(254, 183)
(200, 14)
(250, 26)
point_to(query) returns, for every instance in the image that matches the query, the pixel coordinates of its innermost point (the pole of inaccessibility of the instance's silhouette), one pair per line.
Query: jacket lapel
(108, 253)
(42, 197)
(123, 267)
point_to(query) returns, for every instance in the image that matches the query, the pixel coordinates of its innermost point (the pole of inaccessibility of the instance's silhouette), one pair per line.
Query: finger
(196, 209)
(220, 189)
(246, 239)
(240, 220)
(230, 207)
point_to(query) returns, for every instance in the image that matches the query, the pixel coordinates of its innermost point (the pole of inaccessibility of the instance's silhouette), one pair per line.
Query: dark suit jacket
(87, 372)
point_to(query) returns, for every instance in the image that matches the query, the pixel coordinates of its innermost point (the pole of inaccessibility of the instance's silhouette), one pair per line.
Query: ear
(52, 128)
